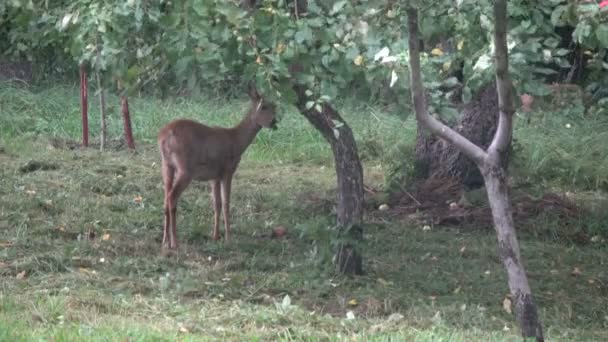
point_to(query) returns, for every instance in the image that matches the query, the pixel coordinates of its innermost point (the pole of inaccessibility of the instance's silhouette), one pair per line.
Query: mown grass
(80, 244)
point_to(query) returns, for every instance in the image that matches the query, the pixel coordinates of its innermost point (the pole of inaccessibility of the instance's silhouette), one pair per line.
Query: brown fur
(190, 150)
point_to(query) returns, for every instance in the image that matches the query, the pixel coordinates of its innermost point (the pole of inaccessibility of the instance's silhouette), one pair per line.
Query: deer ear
(253, 92)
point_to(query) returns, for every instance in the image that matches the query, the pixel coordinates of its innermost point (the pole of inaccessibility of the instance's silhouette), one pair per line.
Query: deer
(190, 151)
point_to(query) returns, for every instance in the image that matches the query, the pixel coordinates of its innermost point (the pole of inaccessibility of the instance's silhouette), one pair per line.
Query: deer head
(262, 112)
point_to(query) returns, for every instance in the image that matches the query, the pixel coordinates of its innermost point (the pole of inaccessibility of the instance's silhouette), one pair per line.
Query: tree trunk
(508, 248)
(350, 181)
(477, 123)
(489, 161)
(84, 105)
(126, 116)
(102, 108)
(424, 152)
(349, 171)
(348, 166)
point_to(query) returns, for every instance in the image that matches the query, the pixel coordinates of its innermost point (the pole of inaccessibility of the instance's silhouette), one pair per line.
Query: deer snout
(273, 124)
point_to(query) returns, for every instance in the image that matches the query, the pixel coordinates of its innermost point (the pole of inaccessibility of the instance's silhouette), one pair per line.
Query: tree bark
(126, 116)
(102, 100)
(84, 105)
(349, 171)
(102, 108)
(508, 249)
(424, 152)
(477, 123)
(349, 178)
(489, 162)
(347, 163)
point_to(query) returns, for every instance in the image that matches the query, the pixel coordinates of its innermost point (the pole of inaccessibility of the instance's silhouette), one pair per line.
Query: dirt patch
(69, 144)
(444, 202)
(64, 144)
(339, 306)
(35, 165)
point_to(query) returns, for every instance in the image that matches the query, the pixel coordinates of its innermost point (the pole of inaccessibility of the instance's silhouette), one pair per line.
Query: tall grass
(55, 112)
(562, 148)
(565, 148)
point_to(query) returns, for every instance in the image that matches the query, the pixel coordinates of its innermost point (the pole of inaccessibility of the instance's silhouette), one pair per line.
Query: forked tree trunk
(489, 162)
(350, 180)
(477, 123)
(84, 105)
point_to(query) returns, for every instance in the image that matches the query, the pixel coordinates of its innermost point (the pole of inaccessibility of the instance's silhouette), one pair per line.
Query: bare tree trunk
(350, 180)
(126, 117)
(489, 162)
(84, 105)
(102, 100)
(349, 171)
(508, 249)
(102, 107)
(423, 154)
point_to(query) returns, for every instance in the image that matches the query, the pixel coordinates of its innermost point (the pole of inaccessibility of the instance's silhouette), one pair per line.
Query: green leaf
(304, 34)
(309, 104)
(328, 88)
(544, 71)
(139, 15)
(338, 5)
(582, 31)
(200, 7)
(601, 32)
(316, 22)
(451, 82)
(556, 16)
(65, 21)
(551, 42)
(326, 61)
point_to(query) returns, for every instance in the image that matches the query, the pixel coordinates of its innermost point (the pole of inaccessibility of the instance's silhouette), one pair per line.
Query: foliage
(151, 44)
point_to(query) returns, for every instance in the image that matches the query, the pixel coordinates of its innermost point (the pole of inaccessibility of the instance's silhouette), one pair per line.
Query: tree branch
(473, 151)
(504, 86)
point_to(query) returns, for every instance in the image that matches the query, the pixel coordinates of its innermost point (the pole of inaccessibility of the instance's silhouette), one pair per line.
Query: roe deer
(192, 151)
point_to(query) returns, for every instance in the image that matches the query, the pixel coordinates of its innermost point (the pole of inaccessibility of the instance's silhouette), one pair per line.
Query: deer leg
(217, 207)
(168, 173)
(179, 185)
(226, 187)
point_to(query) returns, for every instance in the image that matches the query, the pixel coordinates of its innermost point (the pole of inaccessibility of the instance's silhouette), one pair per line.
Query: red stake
(84, 106)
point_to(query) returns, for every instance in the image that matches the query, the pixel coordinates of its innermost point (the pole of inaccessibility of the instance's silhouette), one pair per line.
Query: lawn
(80, 232)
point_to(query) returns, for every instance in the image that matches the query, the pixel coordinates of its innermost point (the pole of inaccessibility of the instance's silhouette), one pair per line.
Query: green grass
(56, 112)
(565, 148)
(80, 253)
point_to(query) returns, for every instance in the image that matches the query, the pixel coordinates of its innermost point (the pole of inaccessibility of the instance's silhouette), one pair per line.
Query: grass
(80, 244)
